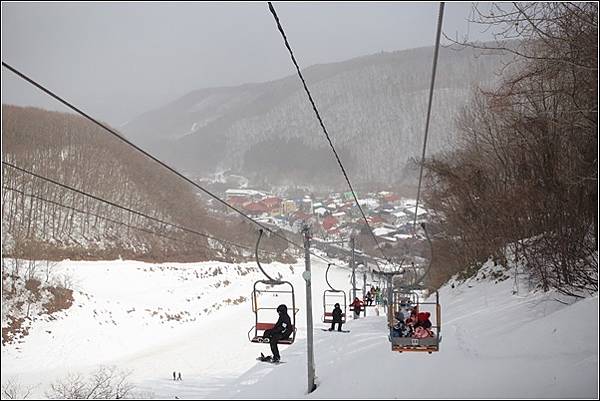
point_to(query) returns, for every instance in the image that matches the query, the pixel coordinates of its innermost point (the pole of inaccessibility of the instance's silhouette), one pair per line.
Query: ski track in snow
(495, 344)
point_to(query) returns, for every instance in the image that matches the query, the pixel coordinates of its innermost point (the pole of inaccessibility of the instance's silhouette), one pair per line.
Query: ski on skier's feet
(339, 331)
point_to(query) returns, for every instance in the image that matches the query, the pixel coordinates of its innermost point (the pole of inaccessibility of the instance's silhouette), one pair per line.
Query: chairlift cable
(256, 256)
(62, 205)
(431, 87)
(326, 279)
(314, 107)
(171, 169)
(127, 209)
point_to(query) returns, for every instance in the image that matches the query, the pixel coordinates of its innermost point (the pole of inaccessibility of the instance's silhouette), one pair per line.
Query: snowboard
(343, 331)
(268, 359)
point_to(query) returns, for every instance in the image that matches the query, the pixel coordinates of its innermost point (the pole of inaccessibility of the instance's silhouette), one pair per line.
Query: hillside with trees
(43, 220)
(521, 182)
(373, 106)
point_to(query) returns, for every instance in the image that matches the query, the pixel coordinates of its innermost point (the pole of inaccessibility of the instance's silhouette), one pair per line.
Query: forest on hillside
(134, 200)
(373, 106)
(521, 182)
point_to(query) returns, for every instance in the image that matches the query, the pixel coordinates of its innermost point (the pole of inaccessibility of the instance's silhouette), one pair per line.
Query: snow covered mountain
(500, 338)
(373, 106)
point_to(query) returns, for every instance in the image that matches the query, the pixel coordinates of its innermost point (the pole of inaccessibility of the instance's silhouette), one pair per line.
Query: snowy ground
(156, 319)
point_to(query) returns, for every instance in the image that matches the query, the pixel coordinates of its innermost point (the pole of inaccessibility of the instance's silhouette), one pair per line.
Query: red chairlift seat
(266, 326)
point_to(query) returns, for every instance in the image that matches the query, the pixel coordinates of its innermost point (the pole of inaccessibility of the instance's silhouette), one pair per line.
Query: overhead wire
(314, 107)
(431, 87)
(171, 169)
(127, 209)
(62, 205)
(417, 279)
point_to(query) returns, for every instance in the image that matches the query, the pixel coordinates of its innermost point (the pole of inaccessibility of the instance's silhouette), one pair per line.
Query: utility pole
(309, 318)
(365, 291)
(353, 265)
(389, 278)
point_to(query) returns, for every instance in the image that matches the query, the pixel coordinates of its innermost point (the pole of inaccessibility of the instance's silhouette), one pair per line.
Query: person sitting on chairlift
(412, 320)
(423, 326)
(399, 326)
(337, 317)
(357, 307)
(281, 331)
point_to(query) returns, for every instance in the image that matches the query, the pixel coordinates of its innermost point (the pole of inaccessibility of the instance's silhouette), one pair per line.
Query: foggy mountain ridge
(374, 108)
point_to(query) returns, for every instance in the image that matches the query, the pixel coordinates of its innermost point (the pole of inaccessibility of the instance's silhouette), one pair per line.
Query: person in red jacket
(423, 320)
(423, 326)
(357, 307)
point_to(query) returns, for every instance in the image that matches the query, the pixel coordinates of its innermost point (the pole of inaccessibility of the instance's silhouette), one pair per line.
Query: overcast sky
(118, 60)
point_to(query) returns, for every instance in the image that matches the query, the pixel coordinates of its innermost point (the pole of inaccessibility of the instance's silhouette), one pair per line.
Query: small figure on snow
(179, 376)
(174, 376)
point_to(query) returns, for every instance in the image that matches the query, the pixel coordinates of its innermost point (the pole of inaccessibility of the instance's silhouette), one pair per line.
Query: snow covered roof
(369, 202)
(421, 211)
(381, 231)
(244, 192)
(321, 211)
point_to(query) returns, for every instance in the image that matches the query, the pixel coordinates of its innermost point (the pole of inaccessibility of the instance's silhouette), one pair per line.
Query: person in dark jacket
(281, 331)
(399, 326)
(337, 317)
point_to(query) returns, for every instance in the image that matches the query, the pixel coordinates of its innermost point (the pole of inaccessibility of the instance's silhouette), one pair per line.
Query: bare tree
(524, 170)
(12, 389)
(105, 383)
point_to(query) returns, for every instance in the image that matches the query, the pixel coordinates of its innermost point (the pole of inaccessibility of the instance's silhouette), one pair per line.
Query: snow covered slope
(153, 319)
(156, 319)
(495, 345)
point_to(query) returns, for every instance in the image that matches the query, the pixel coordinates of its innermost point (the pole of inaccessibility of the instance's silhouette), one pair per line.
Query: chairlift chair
(261, 322)
(411, 344)
(330, 298)
(271, 287)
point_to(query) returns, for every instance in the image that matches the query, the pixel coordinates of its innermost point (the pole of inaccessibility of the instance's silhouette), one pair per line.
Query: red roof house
(329, 222)
(256, 207)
